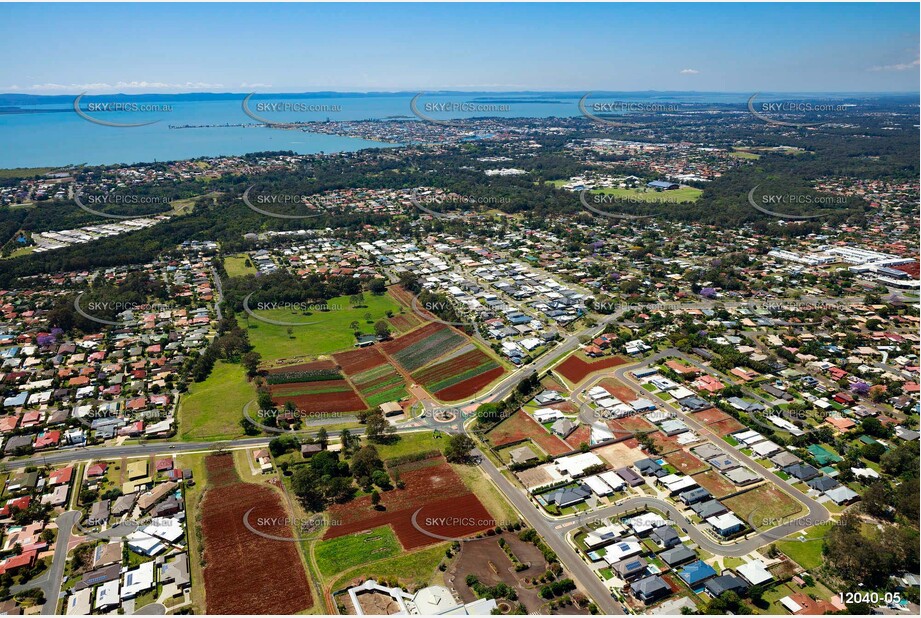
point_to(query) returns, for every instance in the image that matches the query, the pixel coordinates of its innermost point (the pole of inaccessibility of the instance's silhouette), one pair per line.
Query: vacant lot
(714, 482)
(630, 424)
(342, 553)
(239, 266)
(763, 505)
(576, 368)
(246, 573)
(330, 332)
(487, 560)
(520, 426)
(725, 427)
(618, 389)
(212, 409)
(620, 454)
(434, 500)
(686, 463)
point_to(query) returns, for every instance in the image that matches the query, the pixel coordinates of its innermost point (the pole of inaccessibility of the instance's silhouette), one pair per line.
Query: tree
(376, 426)
(458, 448)
(382, 329)
(322, 436)
(377, 287)
(375, 498)
(306, 486)
(365, 461)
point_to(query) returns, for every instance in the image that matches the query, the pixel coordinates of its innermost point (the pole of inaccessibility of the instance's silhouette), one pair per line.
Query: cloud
(902, 66)
(256, 85)
(98, 86)
(689, 71)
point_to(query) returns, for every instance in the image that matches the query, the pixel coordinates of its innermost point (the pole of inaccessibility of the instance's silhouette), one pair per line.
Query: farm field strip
(278, 583)
(453, 370)
(423, 480)
(426, 350)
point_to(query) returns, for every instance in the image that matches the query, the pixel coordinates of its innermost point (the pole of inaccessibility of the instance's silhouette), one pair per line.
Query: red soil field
(281, 390)
(324, 364)
(362, 359)
(575, 369)
(714, 482)
(401, 343)
(451, 367)
(325, 402)
(244, 572)
(710, 415)
(470, 386)
(520, 426)
(725, 427)
(633, 424)
(457, 512)
(686, 463)
(666, 444)
(405, 321)
(583, 433)
(621, 391)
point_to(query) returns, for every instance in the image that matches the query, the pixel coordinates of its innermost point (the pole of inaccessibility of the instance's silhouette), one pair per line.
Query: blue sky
(71, 48)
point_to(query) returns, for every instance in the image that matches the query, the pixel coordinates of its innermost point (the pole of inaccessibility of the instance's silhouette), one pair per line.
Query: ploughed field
(434, 500)
(246, 573)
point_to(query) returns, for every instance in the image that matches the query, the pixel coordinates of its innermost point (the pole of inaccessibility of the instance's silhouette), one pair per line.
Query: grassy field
(808, 553)
(212, 409)
(494, 501)
(764, 506)
(331, 333)
(236, 266)
(24, 172)
(744, 154)
(337, 555)
(685, 194)
(415, 442)
(193, 495)
(419, 567)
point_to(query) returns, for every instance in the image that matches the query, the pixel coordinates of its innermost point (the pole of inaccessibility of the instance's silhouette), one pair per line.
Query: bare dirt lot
(619, 455)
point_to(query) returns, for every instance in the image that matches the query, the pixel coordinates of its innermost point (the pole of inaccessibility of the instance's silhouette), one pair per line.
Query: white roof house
(107, 596)
(754, 572)
(765, 449)
(138, 580)
(623, 549)
(598, 486)
(80, 602)
(575, 465)
(615, 482)
(547, 414)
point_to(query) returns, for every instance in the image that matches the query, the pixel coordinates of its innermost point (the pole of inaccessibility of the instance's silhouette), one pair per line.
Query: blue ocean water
(62, 137)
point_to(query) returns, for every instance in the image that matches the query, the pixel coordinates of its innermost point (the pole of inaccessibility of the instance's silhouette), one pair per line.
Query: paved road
(817, 512)
(581, 572)
(50, 581)
(570, 558)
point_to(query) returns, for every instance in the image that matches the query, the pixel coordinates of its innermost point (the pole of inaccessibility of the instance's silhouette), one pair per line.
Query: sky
(135, 48)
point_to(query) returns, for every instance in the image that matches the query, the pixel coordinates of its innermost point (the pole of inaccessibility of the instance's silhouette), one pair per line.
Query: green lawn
(330, 333)
(407, 443)
(236, 266)
(212, 409)
(417, 567)
(808, 553)
(337, 555)
(686, 194)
